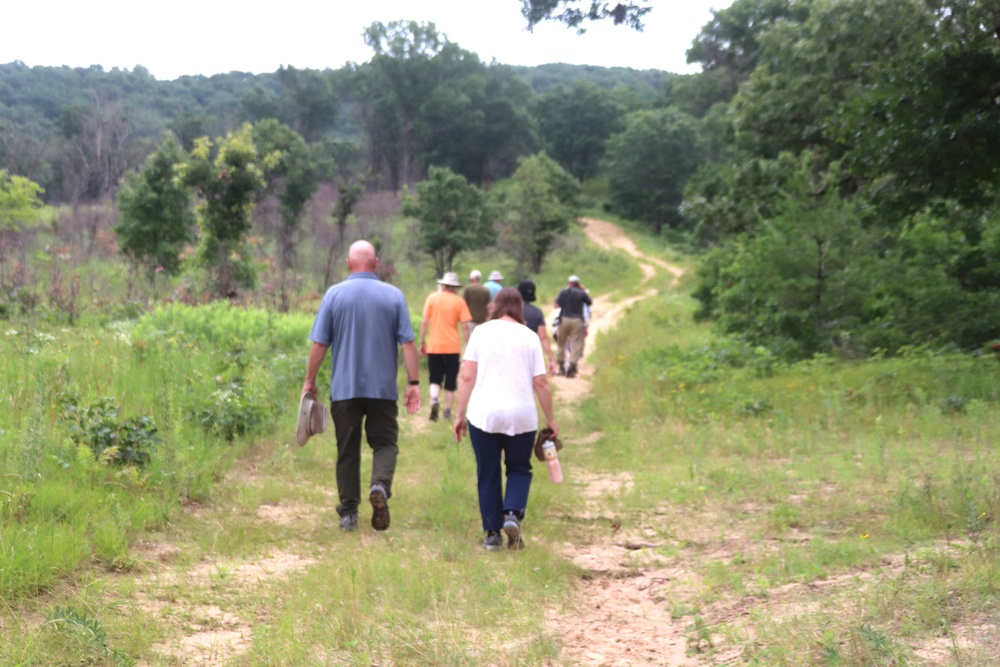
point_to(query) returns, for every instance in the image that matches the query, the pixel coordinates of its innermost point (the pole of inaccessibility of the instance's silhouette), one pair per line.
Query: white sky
(207, 37)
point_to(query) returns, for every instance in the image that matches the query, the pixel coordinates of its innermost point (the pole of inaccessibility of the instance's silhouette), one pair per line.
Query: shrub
(112, 440)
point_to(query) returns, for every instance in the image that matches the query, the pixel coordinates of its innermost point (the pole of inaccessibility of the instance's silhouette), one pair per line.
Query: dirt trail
(620, 615)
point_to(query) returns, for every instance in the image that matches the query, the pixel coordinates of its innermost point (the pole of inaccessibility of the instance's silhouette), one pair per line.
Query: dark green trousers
(380, 421)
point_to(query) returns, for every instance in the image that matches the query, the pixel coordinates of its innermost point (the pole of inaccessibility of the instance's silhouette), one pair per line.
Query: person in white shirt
(502, 371)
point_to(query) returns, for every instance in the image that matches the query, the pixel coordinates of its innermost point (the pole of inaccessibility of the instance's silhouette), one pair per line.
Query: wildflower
(864, 536)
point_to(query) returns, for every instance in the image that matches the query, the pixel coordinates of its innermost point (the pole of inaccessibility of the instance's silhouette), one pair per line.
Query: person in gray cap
(477, 297)
(572, 329)
(364, 322)
(494, 284)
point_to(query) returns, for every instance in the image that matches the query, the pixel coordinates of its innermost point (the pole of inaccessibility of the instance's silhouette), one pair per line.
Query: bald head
(361, 257)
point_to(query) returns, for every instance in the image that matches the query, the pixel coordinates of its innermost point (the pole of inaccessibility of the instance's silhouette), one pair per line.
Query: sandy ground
(619, 615)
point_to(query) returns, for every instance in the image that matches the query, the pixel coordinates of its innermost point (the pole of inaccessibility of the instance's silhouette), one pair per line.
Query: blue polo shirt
(363, 321)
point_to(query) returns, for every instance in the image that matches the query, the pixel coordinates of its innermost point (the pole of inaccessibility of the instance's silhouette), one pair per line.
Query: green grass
(850, 507)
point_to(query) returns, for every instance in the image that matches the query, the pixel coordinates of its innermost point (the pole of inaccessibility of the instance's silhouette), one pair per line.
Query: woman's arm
(543, 336)
(466, 381)
(541, 384)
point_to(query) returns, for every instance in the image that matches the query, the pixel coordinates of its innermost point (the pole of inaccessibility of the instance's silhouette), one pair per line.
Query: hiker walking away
(445, 312)
(494, 284)
(364, 322)
(502, 371)
(535, 320)
(572, 331)
(477, 297)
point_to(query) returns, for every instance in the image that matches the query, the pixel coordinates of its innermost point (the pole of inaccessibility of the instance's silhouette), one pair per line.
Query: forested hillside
(837, 161)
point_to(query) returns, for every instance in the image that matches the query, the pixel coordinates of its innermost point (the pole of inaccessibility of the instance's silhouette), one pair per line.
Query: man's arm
(316, 355)
(411, 360)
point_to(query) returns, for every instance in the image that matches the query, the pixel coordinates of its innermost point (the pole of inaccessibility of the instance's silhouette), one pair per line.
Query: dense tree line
(848, 182)
(421, 100)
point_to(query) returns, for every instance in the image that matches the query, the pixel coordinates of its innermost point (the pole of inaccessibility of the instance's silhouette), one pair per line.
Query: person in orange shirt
(445, 312)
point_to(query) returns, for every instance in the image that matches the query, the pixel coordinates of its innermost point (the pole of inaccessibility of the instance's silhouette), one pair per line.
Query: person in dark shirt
(477, 296)
(535, 320)
(572, 331)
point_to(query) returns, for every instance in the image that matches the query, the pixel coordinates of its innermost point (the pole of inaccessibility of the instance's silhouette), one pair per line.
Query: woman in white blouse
(502, 371)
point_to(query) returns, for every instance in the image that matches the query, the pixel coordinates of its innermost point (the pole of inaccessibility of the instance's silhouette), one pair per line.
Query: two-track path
(618, 616)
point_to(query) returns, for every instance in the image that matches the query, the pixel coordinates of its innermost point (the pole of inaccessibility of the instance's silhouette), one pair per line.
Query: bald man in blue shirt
(364, 322)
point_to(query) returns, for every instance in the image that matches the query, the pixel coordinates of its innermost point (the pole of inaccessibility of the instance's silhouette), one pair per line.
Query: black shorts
(444, 367)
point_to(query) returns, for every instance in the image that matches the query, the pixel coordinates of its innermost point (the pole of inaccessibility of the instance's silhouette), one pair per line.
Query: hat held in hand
(544, 435)
(312, 418)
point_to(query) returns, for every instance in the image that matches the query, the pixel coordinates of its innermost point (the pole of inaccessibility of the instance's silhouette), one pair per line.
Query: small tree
(228, 186)
(453, 217)
(649, 163)
(541, 199)
(292, 176)
(156, 219)
(19, 208)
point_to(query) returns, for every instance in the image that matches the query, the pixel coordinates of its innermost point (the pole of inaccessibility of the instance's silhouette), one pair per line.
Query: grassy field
(826, 513)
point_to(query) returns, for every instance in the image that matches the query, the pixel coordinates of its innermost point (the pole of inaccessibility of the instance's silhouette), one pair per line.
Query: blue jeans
(516, 451)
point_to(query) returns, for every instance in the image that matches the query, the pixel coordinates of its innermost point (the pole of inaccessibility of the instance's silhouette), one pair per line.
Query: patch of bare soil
(209, 635)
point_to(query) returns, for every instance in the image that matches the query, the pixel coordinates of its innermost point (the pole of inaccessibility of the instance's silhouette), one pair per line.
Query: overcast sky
(206, 37)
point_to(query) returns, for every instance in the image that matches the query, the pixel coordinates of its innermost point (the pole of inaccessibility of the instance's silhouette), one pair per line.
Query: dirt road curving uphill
(617, 617)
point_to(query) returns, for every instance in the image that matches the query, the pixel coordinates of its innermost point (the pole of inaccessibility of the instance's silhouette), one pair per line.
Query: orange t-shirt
(443, 312)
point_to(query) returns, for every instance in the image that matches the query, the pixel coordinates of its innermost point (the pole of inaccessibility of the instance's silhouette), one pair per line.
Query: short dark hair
(508, 302)
(526, 289)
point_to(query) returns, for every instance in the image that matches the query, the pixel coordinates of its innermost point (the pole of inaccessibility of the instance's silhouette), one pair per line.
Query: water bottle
(552, 461)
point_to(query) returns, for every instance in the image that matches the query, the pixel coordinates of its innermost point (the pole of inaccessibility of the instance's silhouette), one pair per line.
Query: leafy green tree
(568, 12)
(575, 125)
(348, 195)
(156, 216)
(730, 44)
(392, 90)
(930, 117)
(539, 202)
(311, 100)
(292, 176)
(648, 164)
(20, 205)
(479, 125)
(800, 283)
(228, 185)
(453, 217)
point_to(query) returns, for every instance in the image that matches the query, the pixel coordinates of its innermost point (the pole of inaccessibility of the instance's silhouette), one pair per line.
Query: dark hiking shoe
(493, 542)
(380, 507)
(434, 411)
(512, 527)
(447, 414)
(349, 522)
(571, 371)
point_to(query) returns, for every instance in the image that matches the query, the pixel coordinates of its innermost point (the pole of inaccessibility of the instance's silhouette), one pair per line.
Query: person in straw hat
(445, 312)
(364, 322)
